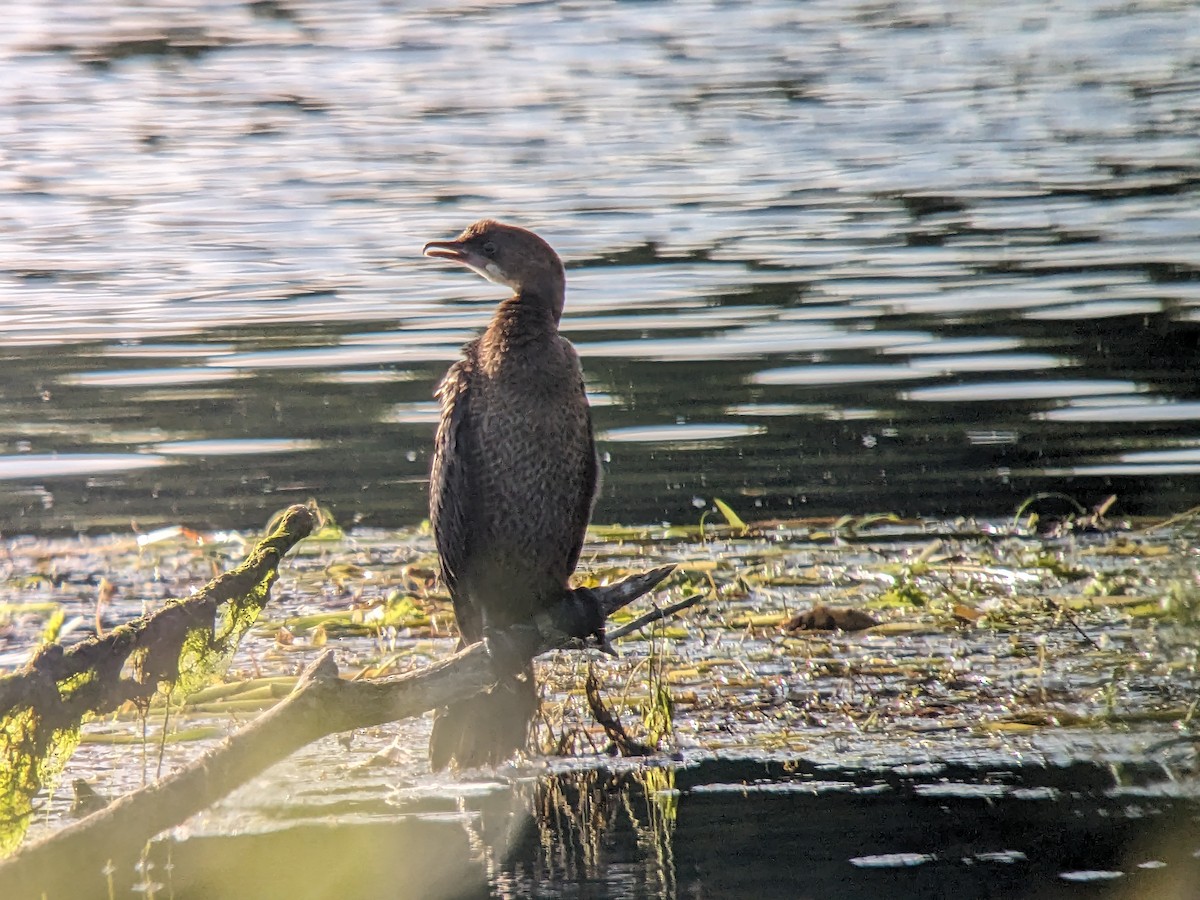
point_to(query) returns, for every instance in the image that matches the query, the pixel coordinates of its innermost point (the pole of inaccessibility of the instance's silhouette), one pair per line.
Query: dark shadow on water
(733, 829)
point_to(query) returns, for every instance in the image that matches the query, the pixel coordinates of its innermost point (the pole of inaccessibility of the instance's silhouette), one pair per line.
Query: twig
(612, 726)
(1173, 520)
(1066, 614)
(43, 705)
(654, 615)
(154, 640)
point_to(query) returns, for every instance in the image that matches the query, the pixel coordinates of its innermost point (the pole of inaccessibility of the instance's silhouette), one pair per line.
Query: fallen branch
(321, 704)
(152, 644)
(181, 645)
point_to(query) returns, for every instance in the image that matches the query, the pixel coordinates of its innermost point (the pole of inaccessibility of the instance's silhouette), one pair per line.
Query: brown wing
(589, 486)
(451, 491)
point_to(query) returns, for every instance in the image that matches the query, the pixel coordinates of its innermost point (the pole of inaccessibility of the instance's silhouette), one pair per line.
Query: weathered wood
(157, 639)
(43, 705)
(321, 704)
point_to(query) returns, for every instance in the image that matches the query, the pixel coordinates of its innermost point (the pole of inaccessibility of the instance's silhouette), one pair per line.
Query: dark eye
(489, 249)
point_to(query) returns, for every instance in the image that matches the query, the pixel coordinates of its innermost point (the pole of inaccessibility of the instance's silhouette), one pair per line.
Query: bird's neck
(529, 314)
(519, 323)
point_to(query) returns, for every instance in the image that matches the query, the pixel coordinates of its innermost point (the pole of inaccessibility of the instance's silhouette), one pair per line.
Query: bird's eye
(489, 248)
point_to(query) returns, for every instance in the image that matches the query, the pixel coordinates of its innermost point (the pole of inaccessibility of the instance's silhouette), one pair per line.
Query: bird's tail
(487, 728)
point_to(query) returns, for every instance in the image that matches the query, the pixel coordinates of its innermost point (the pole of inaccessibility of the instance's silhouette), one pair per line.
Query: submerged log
(321, 704)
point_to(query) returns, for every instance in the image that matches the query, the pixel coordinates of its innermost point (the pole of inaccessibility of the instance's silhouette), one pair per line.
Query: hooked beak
(461, 253)
(452, 250)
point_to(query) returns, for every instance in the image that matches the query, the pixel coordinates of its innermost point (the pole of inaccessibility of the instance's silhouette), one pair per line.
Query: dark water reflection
(731, 828)
(824, 258)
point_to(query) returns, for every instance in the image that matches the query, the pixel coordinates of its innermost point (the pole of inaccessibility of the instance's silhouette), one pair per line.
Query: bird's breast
(533, 456)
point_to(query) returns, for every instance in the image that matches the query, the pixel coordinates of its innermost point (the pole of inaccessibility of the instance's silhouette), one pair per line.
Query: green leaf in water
(731, 517)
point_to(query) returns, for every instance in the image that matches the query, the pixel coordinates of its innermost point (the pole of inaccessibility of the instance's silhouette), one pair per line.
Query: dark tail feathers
(486, 729)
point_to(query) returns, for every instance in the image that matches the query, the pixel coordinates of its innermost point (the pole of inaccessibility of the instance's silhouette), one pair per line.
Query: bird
(513, 481)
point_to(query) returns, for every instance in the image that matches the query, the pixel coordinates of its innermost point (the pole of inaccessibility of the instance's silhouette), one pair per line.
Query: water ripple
(68, 464)
(790, 216)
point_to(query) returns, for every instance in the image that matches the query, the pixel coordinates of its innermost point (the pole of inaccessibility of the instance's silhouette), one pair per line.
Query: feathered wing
(589, 485)
(493, 725)
(489, 726)
(451, 491)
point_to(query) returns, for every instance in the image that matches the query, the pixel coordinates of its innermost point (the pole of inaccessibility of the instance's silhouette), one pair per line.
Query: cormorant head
(508, 255)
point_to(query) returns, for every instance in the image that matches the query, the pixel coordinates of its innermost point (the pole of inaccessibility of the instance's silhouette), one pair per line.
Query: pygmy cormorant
(514, 477)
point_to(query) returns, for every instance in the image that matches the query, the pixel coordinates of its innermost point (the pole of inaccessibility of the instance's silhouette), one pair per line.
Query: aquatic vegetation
(579, 815)
(658, 711)
(1017, 637)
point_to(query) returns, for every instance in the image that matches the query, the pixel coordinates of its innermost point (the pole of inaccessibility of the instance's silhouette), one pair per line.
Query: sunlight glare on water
(849, 241)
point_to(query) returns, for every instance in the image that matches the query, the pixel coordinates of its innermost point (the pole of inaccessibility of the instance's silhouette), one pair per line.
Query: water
(823, 258)
(728, 827)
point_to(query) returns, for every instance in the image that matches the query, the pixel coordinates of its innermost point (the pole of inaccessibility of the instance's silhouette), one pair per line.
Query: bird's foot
(579, 617)
(512, 648)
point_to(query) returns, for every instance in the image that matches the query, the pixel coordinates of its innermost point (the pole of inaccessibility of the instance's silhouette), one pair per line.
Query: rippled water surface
(726, 828)
(823, 257)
